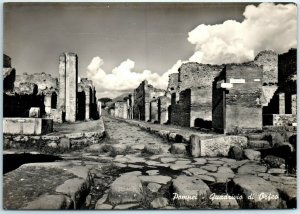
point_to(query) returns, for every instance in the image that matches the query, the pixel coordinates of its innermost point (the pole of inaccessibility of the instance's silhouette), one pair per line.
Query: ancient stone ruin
(42, 96)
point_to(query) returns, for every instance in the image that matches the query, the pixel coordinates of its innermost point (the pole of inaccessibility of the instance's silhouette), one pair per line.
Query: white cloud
(266, 26)
(122, 78)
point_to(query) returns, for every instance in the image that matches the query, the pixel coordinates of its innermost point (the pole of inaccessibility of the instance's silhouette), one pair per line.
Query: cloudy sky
(119, 45)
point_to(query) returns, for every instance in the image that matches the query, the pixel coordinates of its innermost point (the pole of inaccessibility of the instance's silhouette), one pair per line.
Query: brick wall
(180, 110)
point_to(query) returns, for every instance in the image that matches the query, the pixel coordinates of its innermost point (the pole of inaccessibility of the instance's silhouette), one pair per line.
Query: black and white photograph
(149, 105)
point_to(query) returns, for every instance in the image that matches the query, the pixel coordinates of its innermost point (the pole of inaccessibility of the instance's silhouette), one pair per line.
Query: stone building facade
(55, 98)
(191, 105)
(236, 98)
(282, 109)
(143, 95)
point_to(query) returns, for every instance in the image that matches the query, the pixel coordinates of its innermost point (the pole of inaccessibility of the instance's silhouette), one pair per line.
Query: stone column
(87, 102)
(294, 104)
(62, 83)
(71, 86)
(99, 108)
(47, 103)
(281, 103)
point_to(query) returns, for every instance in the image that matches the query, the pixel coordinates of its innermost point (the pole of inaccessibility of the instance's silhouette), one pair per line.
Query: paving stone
(180, 166)
(74, 188)
(276, 171)
(160, 179)
(103, 207)
(199, 161)
(252, 154)
(137, 173)
(133, 159)
(121, 159)
(223, 175)
(159, 203)
(168, 160)
(207, 178)
(211, 168)
(101, 200)
(227, 160)
(197, 171)
(135, 166)
(125, 189)
(126, 206)
(152, 163)
(191, 189)
(153, 187)
(251, 168)
(120, 165)
(182, 162)
(224, 202)
(259, 189)
(152, 172)
(50, 202)
(138, 147)
(216, 162)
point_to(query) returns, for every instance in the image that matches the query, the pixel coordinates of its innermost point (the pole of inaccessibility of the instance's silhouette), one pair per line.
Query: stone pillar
(62, 83)
(47, 103)
(99, 106)
(87, 102)
(294, 104)
(125, 110)
(71, 86)
(281, 103)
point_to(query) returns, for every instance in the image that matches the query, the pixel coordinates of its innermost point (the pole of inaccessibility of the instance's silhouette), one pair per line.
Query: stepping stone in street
(101, 200)
(153, 187)
(192, 191)
(126, 189)
(197, 171)
(160, 202)
(265, 195)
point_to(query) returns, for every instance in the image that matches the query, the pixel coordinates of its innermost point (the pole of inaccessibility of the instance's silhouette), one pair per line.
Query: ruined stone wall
(139, 101)
(45, 82)
(243, 105)
(6, 61)
(180, 110)
(121, 110)
(164, 109)
(143, 95)
(9, 76)
(218, 102)
(173, 84)
(287, 68)
(193, 74)
(198, 78)
(269, 61)
(154, 111)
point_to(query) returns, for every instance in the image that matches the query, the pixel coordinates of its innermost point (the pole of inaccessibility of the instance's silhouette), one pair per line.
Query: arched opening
(200, 123)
